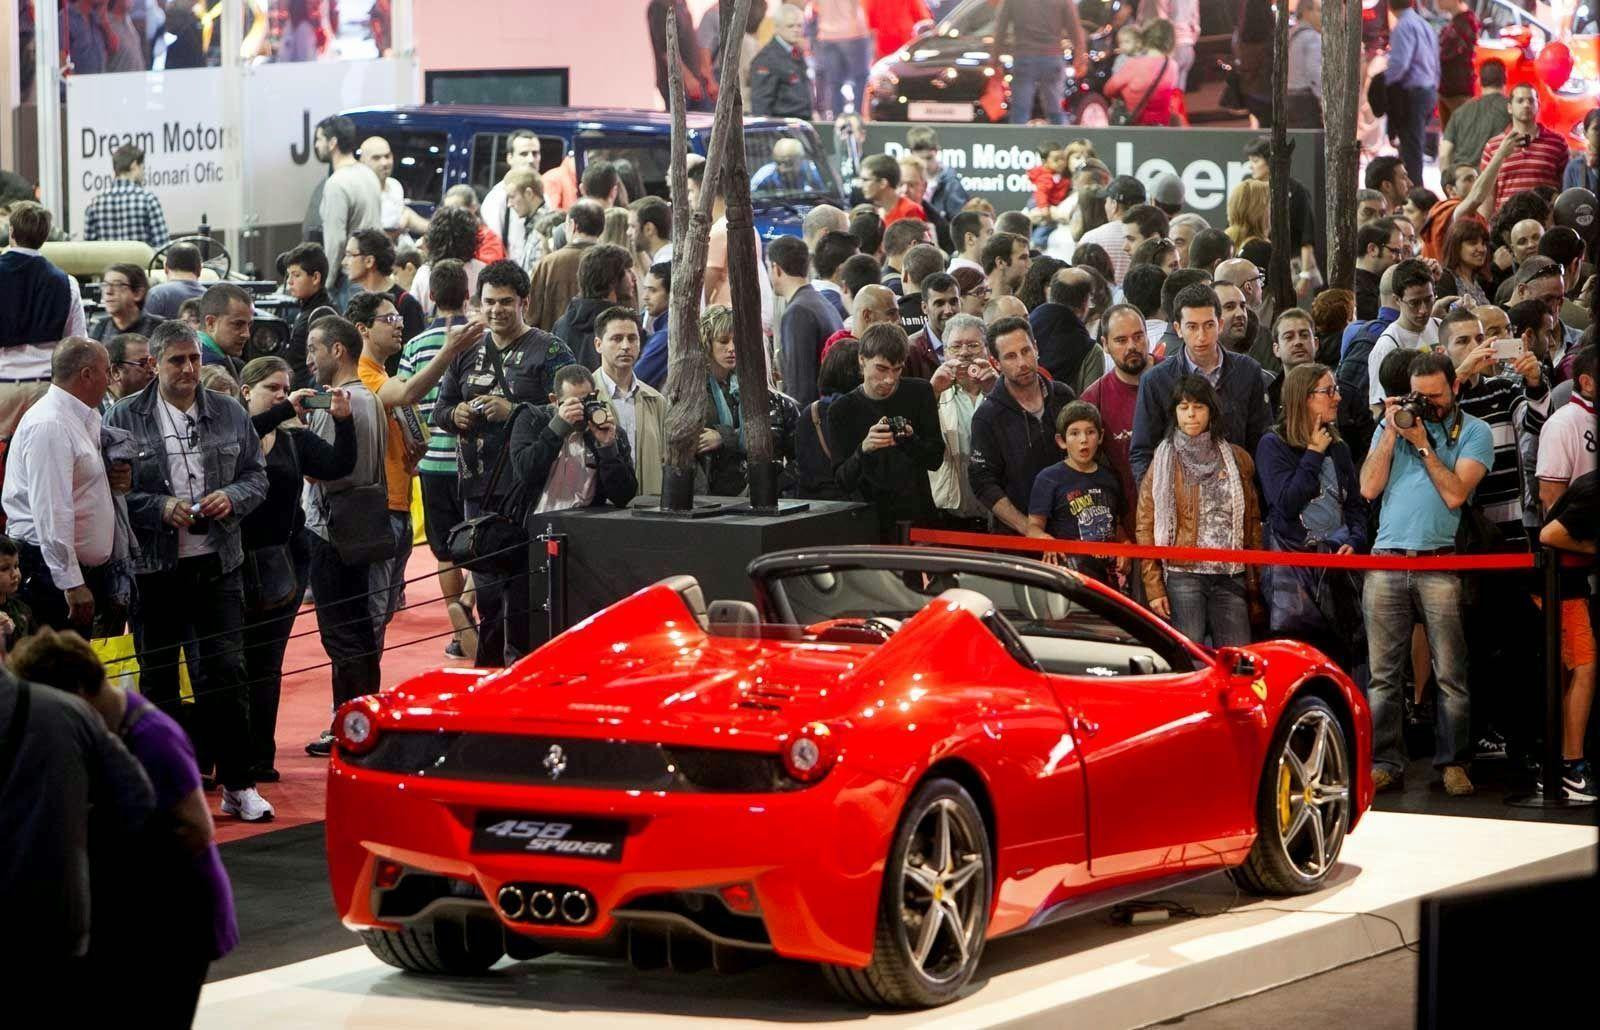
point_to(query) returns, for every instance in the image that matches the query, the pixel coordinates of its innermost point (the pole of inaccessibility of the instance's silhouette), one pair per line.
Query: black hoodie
(1010, 447)
(1063, 341)
(576, 328)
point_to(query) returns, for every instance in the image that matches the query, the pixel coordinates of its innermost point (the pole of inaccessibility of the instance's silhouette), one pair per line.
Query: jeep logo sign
(993, 160)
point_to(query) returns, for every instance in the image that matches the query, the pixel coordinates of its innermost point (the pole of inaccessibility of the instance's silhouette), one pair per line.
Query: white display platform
(1083, 972)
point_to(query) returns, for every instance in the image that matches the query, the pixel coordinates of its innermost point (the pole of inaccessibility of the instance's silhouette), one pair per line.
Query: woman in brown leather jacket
(1199, 492)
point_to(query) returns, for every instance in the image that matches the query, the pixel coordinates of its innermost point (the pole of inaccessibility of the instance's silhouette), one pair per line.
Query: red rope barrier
(1388, 562)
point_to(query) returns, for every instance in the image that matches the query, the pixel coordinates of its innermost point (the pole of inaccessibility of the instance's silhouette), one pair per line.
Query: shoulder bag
(493, 541)
(358, 517)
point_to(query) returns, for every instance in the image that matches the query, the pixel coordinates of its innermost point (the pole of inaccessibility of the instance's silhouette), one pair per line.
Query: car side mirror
(1245, 693)
(1521, 35)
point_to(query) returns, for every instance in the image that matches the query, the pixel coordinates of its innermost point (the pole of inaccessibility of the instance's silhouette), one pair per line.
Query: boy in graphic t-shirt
(1081, 499)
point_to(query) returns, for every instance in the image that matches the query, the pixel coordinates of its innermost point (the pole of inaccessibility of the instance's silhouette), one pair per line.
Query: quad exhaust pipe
(545, 903)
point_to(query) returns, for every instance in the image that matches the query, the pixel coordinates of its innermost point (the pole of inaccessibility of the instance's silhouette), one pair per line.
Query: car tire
(896, 977)
(443, 947)
(1302, 803)
(1088, 109)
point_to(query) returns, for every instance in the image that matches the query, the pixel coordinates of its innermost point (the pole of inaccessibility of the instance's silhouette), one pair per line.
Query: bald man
(780, 85)
(821, 220)
(872, 304)
(789, 171)
(1004, 307)
(398, 218)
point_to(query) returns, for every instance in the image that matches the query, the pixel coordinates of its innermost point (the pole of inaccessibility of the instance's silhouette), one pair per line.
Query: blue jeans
(841, 61)
(1046, 76)
(381, 602)
(1200, 599)
(1410, 107)
(1391, 601)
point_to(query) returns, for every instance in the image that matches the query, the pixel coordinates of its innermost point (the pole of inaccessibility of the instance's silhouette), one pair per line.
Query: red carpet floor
(307, 697)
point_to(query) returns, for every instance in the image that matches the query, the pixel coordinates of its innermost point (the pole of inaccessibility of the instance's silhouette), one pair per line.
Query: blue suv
(437, 146)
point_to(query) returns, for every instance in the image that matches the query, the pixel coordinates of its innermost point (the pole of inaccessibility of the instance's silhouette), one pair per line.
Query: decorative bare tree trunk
(1279, 281)
(689, 369)
(1341, 99)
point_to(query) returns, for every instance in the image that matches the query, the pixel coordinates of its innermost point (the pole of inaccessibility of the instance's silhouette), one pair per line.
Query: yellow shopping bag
(117, 654)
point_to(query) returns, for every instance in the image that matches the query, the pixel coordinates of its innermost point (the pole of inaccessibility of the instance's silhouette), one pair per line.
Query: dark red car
(895, 755)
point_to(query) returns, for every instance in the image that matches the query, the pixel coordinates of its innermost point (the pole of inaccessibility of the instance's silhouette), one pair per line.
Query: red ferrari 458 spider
(893, 756)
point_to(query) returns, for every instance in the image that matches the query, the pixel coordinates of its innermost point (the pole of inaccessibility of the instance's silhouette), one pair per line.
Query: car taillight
(356, 725)
(809, 754)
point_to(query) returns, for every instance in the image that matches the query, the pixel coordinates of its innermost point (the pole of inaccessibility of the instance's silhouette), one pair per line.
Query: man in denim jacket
(199, 471)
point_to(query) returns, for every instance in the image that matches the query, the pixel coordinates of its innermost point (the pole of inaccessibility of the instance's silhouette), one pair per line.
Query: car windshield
(1068, 629)
(787, 166)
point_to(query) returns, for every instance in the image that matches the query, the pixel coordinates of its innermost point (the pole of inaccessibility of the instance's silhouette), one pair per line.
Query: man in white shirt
(1413, 330)
(639, 410)
(525, 201)
(970, 230)
(57, 495)
(398, 219)
(522, 151)
(1567, 441)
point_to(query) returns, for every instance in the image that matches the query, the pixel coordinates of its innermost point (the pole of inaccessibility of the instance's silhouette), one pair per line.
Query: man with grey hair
(57, 493)
(960, 383)
(780, 83)
(204, 473)
(1183, 229)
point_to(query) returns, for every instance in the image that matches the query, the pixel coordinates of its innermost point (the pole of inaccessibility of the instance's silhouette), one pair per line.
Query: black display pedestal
(612, 552)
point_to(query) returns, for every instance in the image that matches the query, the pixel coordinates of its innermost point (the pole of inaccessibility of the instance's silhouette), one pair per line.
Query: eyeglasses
(1416, 303)
(1327, 391)
(146, 363)
(1396, 251)
(392, 318)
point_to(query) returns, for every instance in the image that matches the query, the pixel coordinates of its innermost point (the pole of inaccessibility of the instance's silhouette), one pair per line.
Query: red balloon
(1554, 64)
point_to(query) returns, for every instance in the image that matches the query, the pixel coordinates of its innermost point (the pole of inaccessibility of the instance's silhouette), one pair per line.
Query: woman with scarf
(721, 448)
(1199, 493)
(1313, 500)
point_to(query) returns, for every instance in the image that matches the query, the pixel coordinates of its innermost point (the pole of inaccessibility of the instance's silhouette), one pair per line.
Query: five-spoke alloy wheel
(1303, 808)
(933, 913)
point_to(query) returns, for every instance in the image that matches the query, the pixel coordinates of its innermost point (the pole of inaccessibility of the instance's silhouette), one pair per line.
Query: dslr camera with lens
(592, 407)
(1413, 408)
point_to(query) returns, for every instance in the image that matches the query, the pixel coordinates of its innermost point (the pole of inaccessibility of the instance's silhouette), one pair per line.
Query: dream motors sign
(178, 118)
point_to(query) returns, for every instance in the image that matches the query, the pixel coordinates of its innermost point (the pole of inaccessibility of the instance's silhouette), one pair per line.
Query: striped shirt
(440, 458)
(1540, 163)
(1497, 402)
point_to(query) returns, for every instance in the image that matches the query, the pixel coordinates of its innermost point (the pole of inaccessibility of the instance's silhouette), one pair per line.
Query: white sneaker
(247, 804)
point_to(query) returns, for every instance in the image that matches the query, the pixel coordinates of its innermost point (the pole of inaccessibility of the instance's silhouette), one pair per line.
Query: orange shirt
(903, 208)
(373, 377)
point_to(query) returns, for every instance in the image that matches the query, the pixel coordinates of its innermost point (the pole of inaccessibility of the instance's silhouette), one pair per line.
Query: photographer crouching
(1427, 457)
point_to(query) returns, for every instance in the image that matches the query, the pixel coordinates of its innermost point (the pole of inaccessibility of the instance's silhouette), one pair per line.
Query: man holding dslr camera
(200, 471)
(478, 398)
(572, 453)
(885, 433)
(1427, 457)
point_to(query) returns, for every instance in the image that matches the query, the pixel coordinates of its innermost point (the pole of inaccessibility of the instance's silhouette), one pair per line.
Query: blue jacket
(1291, 478)
(1241, 387)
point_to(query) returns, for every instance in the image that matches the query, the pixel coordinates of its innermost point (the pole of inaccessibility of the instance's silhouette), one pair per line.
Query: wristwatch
(1424, 452)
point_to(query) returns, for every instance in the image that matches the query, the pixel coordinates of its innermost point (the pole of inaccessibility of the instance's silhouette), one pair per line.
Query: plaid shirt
(126, 211)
